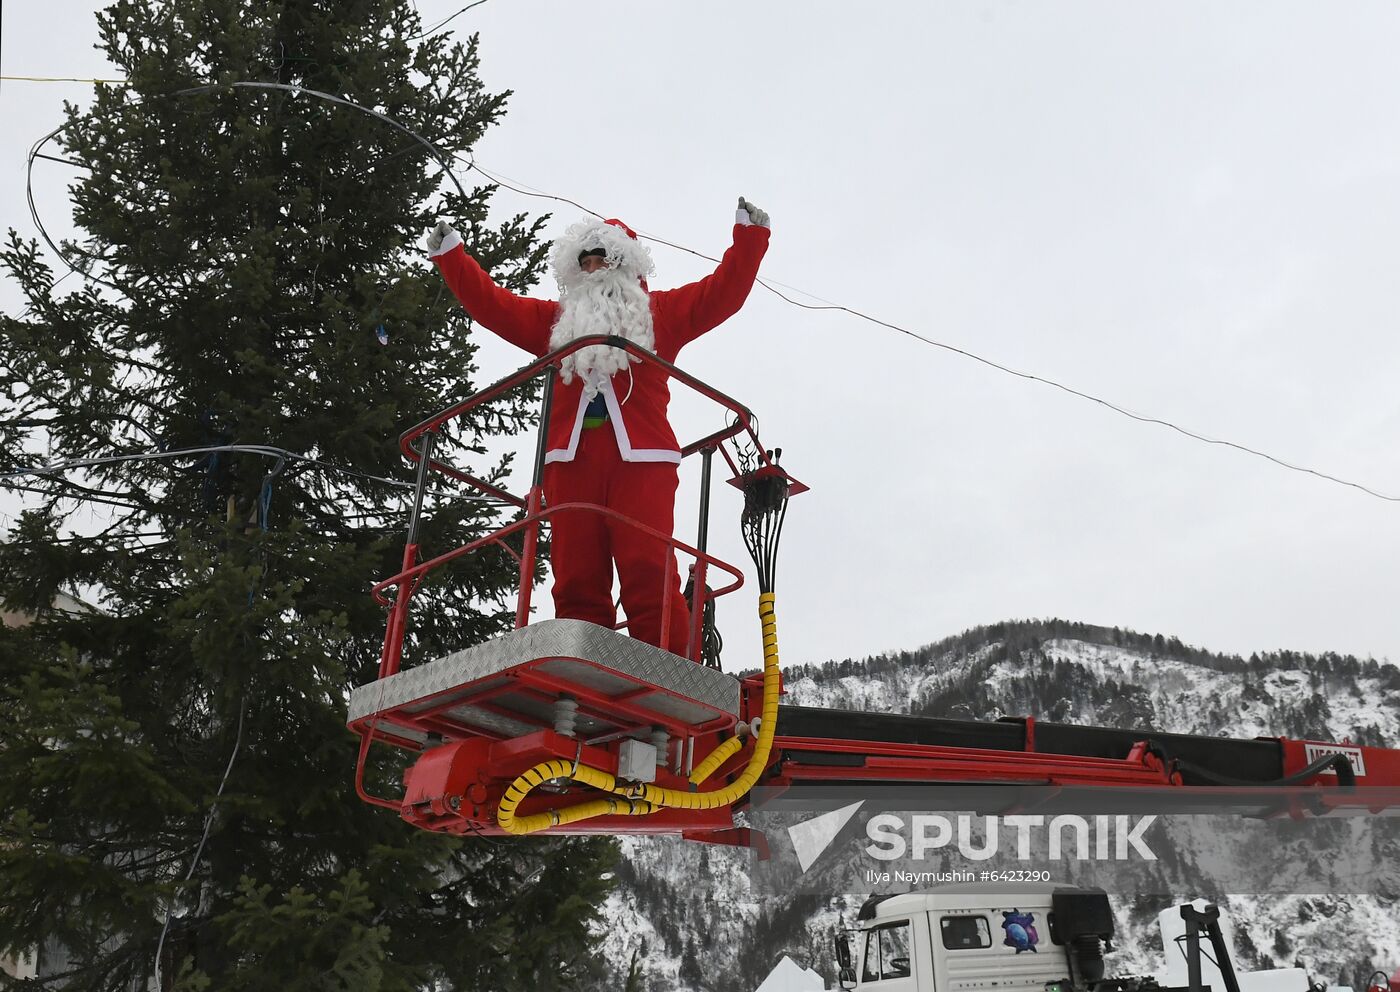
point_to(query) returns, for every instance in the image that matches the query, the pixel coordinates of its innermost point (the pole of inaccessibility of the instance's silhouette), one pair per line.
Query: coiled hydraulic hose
(641, 799)
(763, 743)
(717, 757)
(545, 770)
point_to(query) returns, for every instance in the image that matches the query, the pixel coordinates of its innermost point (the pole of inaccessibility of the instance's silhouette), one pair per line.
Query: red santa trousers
(584, 544)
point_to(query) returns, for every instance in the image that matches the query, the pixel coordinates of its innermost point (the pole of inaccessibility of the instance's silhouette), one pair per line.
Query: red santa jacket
(679, 316)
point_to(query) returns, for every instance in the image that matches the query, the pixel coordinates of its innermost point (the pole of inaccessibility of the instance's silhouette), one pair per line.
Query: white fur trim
(567, 454)
(652, 455)
(621, 252)
(624, 443)
(452, 240)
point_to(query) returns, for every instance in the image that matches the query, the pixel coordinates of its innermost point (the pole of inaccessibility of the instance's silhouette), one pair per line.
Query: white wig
(622, 251)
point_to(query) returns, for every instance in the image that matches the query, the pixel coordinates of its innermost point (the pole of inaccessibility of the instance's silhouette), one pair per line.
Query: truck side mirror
(843, 950)
(846, 977)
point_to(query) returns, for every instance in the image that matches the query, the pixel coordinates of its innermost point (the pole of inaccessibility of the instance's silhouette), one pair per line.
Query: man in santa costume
(608, 439)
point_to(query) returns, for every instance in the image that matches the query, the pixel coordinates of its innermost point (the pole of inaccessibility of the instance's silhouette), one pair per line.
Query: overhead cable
(444, 22)
(264, 450)
(56, 79)
(770, 285)
(443, 158)
(827, 305)
(204, 837)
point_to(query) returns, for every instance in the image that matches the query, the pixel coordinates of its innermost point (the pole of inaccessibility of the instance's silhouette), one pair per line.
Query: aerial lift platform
(566, 727)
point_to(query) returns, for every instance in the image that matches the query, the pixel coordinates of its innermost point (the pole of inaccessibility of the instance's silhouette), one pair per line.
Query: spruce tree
(252, 275)
(635, 979)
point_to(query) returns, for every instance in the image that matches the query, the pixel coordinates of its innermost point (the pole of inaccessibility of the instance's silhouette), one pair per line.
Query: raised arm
(704, 305)
(522, 321)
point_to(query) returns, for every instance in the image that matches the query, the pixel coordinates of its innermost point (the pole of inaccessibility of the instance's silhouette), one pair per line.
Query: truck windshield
(887, 953)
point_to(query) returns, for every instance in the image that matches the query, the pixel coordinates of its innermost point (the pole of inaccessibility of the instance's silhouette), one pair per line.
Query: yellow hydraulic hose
(717, 757)
(763, 744)
(641, 799)
(558, 768)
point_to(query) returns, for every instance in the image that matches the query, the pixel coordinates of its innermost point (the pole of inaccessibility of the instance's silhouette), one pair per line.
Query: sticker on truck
(1316, 751)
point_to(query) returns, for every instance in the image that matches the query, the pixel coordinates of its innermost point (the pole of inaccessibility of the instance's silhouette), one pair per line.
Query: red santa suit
(628, 462)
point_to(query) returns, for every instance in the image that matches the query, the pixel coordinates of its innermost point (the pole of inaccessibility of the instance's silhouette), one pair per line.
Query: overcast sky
(1189, 209)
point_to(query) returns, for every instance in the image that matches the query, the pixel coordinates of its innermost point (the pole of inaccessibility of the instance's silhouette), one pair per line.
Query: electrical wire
(34, 152)
(442, 157)
(74, 538)
(770, 285)
(124, 504)
(208, 825)
(472, 163)
(443, 23)
(265, 451)
(57, 79)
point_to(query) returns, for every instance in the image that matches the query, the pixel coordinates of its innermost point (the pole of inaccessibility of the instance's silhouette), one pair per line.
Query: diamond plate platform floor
(507, 688)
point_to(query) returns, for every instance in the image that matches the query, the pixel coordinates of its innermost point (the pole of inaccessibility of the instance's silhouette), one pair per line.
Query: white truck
(1051, 940)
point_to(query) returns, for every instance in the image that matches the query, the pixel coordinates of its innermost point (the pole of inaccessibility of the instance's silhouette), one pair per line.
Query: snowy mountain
(685, 915)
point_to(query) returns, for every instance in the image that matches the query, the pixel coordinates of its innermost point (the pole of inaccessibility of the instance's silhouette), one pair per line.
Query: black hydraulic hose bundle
(1340, 763)
(766, 494)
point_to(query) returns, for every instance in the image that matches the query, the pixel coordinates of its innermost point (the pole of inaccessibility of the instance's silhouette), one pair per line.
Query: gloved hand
(437, 234)
(750, 214)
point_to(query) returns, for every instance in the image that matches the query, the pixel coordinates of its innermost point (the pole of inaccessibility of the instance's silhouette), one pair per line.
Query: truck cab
(951, 942)
(1047, 939)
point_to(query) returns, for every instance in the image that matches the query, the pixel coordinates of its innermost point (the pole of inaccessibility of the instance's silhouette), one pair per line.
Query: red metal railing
(412, 572)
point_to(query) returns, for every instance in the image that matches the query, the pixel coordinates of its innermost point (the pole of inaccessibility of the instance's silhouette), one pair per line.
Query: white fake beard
(609, 301)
